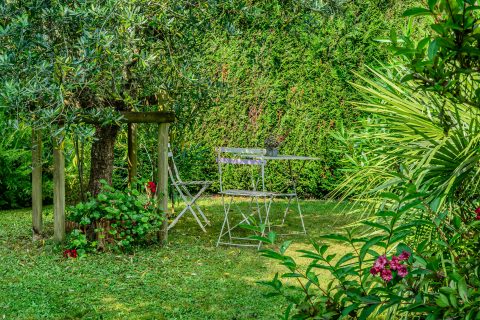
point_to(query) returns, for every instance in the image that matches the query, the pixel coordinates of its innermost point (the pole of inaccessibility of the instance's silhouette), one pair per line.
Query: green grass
(188, 279)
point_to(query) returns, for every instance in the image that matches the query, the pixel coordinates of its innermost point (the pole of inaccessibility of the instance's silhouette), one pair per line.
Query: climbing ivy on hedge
(285, 66)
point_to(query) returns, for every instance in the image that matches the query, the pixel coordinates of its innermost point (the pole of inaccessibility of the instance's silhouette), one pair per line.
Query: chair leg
(267, 213)
(226, 222)
(189, 203)
(286, 210)
(301, 216)
(198, 207)
(196, 218)
(267, 221)
(174, 222)
(225, 217)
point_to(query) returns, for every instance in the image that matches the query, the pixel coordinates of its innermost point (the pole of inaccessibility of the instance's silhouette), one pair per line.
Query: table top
(287, 157)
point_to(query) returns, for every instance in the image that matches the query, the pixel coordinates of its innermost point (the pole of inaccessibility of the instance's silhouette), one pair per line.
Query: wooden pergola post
(58, 191)
(163, 118)
(162, 178)
(37, 223)
(132, 152)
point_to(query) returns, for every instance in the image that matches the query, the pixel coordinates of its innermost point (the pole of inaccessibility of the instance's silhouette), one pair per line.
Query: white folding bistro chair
(289, 196)
(235, 157)
(183, 189)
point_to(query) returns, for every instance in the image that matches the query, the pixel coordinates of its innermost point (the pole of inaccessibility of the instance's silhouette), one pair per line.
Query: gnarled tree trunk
(102, 157)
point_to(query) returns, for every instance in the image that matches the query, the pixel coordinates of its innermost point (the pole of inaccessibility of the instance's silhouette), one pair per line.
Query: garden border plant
(114, 220)
(416, 163)
(391, 271)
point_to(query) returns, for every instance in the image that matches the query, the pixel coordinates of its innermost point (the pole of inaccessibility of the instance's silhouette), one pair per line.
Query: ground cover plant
(189, 279)
(114, 219)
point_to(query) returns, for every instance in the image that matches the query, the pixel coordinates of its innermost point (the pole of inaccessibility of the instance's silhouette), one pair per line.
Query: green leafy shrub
(446, 61)
(415, 162)
(391, 271)
(15, 166)
(285, 67)
(115, 220)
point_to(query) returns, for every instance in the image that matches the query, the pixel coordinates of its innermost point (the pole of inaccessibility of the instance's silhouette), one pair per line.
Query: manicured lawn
(188, 279)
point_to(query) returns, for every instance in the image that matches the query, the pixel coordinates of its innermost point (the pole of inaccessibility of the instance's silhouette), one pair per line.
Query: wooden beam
(37, 223)
(132, 152)
(148, 117)
(131, 117)
(58, 191)
(162, 178)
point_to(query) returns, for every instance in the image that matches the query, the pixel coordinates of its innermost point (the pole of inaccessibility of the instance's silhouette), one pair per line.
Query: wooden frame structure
(162, 118)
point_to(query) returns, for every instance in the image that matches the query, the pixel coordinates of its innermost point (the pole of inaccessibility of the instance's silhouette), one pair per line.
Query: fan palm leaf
(405, 137)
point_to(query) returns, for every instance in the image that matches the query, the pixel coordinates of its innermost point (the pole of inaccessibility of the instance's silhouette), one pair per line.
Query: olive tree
(62, 61)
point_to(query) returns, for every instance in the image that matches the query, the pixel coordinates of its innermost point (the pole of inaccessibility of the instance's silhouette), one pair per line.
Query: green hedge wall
(285, 68)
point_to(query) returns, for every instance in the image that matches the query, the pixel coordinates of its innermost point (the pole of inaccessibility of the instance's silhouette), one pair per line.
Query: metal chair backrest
(172, 168)
(241, 156)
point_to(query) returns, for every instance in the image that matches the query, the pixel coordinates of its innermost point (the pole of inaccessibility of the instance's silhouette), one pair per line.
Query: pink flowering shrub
(391, 272)
(385, 267)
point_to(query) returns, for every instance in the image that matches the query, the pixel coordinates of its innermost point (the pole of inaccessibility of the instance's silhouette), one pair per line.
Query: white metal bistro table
(290, 191)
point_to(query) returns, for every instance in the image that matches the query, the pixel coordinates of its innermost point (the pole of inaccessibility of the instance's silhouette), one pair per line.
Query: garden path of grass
(188, 279)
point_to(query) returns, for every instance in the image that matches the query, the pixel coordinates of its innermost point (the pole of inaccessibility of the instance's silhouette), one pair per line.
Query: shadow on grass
(188, 279)
(320, 217)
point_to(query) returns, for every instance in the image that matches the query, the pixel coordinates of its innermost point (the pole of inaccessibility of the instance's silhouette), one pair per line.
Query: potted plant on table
(272, 143)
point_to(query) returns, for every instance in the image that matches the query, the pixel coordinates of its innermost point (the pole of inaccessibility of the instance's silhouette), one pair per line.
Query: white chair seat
(246, 193)
(286, 195)
(186, 183)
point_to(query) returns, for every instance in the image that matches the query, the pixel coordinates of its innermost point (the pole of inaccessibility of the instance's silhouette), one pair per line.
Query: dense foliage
(285, 67)
(14, 168)
(447, 60)
(15, 165)
(63, 62)
(417, 255)
(62, 58)
(393, 271)
(120, 219)
(271, 68)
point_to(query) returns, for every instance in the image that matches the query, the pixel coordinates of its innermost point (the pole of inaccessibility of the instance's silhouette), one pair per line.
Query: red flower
(477, 211)
(404, 255)
(386, 275)
(381, 262)
(152, 187)
(395, 263)
(70, 253)
(375, 270)
(402, 271)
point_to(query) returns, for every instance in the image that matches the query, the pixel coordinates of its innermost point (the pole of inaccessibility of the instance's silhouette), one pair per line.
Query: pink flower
(381, 262)
(395, 263)
(477, 211)
(375, 270)
(386, 275)
(404, 255)
(402, 271)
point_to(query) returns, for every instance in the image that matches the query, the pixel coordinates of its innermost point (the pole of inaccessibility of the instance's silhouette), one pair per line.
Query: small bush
(114, 220)
(393, 270)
